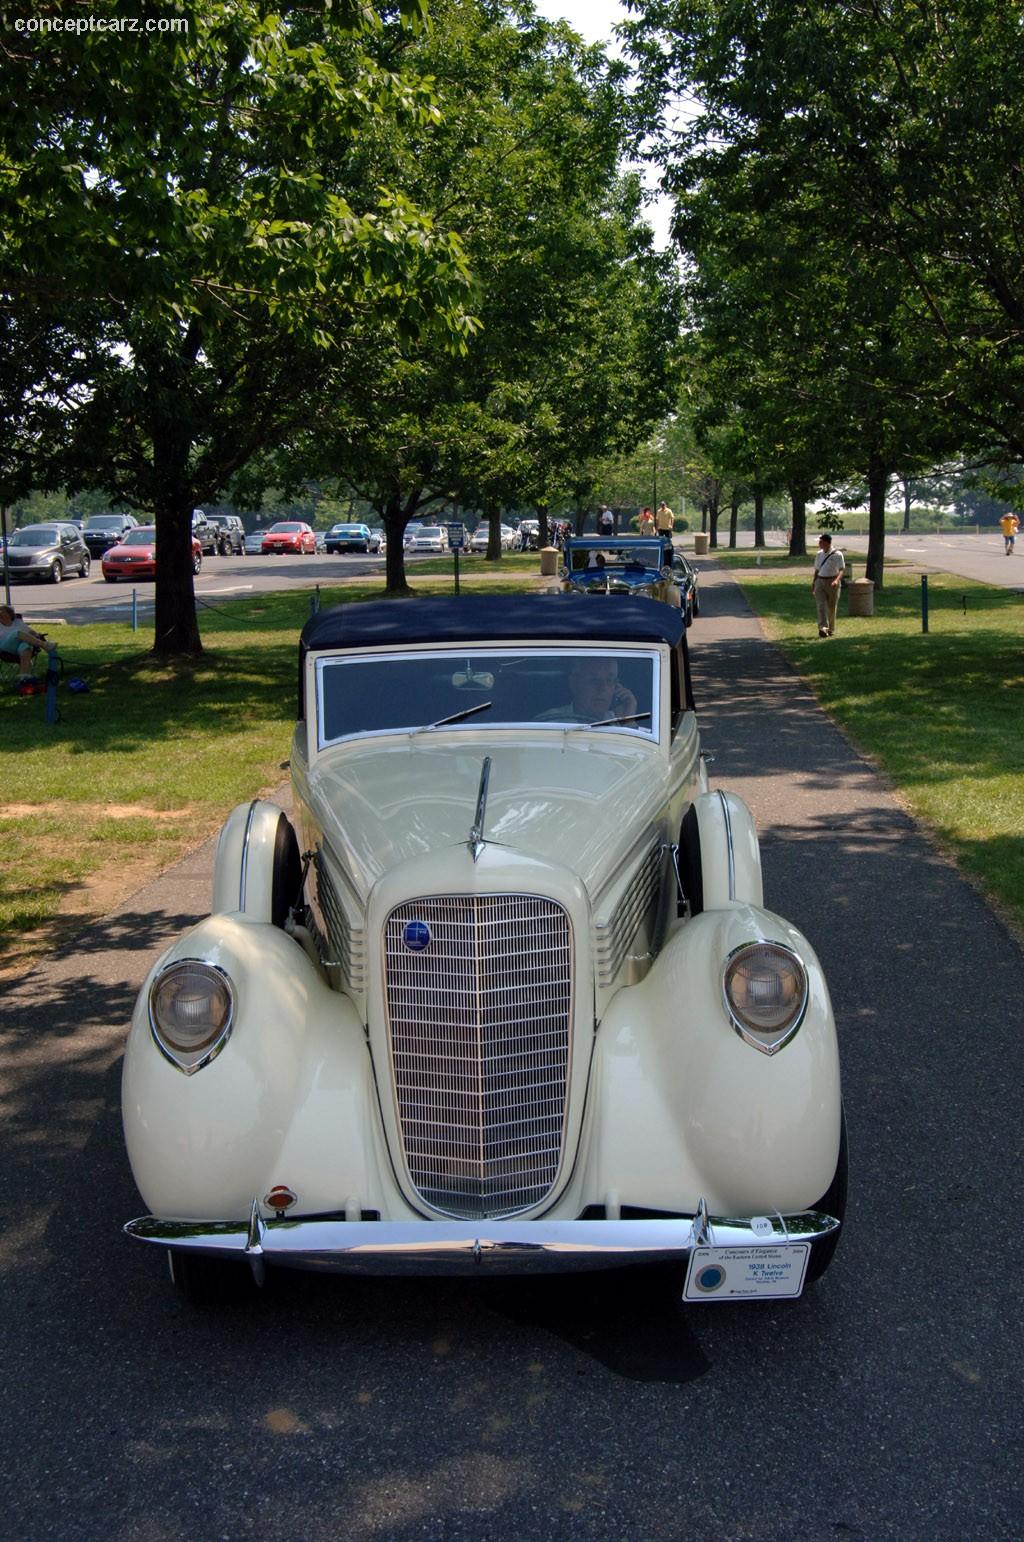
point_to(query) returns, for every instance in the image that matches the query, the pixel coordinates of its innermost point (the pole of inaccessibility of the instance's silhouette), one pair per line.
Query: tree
(196, 213)
(577, 315)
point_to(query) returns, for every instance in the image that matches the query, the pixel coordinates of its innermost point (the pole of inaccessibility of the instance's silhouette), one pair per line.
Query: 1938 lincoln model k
(504, 995)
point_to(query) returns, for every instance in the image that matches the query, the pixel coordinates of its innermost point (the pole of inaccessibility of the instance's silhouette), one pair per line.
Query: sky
(593, 20)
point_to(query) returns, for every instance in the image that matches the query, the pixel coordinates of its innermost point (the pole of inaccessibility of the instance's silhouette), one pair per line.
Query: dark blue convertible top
(545, 617)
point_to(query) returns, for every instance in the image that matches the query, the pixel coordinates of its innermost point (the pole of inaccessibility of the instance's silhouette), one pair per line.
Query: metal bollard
(135, 610)
(314, 601)
(924, 602)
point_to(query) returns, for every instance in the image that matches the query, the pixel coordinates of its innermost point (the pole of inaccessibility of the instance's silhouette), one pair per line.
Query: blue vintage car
(630, 564)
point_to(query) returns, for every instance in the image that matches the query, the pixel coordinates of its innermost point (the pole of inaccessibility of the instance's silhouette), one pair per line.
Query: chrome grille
(612, 939)
(479, 1026)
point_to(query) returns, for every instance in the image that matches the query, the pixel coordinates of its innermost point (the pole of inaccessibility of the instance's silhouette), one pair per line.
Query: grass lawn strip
(942, 712)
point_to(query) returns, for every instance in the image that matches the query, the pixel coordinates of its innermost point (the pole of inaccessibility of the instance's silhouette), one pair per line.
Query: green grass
(942, 713)
(170, 748)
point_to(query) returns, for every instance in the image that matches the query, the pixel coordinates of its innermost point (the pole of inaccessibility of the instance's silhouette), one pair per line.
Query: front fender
(285, 1102)
(682, 1107)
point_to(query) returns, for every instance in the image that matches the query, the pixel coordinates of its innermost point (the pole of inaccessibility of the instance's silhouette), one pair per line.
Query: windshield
(104, 522)
(547, 688)
(41, 535)
(144, 536)
(284, 528)
(637, 554)
(434, 531)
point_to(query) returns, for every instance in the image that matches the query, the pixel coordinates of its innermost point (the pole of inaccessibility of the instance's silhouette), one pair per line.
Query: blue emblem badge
(416, 936)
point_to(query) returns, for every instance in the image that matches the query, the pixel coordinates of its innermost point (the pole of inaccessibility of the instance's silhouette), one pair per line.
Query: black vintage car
(47, 552)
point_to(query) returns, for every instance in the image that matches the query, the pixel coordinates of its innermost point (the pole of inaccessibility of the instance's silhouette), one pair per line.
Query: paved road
(885, 1404)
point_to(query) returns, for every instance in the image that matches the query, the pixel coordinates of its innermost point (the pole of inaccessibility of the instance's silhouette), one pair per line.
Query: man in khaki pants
(829, 566)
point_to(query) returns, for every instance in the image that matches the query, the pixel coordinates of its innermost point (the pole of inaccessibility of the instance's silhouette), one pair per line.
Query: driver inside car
(597, 694)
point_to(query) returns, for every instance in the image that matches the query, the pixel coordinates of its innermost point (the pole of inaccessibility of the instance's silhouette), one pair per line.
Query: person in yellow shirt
(1009, 525)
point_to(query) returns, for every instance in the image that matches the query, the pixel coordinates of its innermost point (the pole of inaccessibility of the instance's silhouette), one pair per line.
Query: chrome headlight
(191, 1011)
(765, 987)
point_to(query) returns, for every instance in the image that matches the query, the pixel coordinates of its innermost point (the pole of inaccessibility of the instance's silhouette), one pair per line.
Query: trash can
(549, 556)
(860, 597)
(700, 543)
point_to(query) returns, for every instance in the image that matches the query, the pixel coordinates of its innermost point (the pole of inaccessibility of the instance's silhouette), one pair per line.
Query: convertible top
(544, 617)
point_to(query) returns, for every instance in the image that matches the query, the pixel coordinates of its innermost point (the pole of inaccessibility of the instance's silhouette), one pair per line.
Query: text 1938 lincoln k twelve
(505, 996)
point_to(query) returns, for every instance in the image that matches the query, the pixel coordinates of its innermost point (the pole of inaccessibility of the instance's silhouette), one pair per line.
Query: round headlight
(766, 993)
(191, 1006)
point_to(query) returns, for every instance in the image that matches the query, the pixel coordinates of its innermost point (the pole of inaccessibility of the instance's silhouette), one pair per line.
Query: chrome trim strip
(747, 1034)
(729, 845)
(244, 867)
(453, 1247)
(476, 835)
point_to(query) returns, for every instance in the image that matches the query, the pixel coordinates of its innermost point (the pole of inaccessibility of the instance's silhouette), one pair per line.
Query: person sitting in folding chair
(19, 643)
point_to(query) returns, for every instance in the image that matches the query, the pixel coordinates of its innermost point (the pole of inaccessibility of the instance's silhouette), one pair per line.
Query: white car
(429, 538)
(478, 541)
(508, 537)
(519, 1005)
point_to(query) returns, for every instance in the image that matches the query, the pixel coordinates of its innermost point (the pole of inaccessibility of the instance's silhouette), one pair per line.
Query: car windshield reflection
(614, 690)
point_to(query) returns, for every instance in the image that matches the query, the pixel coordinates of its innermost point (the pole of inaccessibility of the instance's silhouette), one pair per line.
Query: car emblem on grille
(416, 936)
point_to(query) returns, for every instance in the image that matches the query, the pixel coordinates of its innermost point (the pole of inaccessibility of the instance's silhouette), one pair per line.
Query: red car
(135, 556)
(289, 535)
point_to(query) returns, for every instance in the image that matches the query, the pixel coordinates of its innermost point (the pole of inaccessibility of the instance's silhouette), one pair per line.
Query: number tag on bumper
(733, 1274)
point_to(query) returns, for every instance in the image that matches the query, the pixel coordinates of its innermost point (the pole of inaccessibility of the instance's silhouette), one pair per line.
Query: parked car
(105, 530)
(621, 565)
(349, 537)
(430, 538)
(206, 533)
(378, 541)
(508, 537)
(479, 540)
(520, 1004)
(254, 542)
(47, 552)
(687, 577)
(230, 534)
(409, 532)
(135, 556)
(289, 535)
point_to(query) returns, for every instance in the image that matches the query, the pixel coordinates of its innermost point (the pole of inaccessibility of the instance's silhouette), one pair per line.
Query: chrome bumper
(457, 1247)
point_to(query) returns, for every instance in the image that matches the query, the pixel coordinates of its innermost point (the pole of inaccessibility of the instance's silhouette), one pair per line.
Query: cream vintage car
(504, 994)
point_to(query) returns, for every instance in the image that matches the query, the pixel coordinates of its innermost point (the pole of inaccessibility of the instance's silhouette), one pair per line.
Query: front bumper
(334, 1245)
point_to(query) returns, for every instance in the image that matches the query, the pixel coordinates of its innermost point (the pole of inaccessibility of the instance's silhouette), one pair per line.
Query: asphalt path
(883, 1404)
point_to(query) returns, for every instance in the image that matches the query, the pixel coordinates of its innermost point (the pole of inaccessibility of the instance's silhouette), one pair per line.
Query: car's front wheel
(56, 570)
(209, 1282)
(84, 566)
(197, 562)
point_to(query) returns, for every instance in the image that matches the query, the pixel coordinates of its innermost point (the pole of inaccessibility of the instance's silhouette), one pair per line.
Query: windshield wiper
(456, 717)
(606, 722)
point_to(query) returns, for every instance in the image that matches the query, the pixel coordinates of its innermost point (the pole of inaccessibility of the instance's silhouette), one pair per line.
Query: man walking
(829, 567)
(605, 521)
(664, 520)
(1009, 525)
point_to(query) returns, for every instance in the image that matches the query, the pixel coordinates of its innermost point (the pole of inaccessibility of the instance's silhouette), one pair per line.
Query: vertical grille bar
(479, 1028)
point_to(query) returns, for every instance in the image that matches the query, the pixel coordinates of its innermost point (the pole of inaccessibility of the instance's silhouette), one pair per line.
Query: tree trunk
(713, 521)
(395, 517)
(581, 518)
(878, 483)
(906, 504)
(493, 517)
(176, 627)
(704, 515)
(542, 534)
(798, 529)
(734, 511)
(758, 515)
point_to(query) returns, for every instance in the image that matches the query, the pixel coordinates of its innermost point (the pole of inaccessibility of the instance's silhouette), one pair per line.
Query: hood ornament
(476, 840)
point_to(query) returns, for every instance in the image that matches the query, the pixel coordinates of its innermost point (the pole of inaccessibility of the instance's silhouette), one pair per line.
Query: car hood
(562, 802)
(148, 551)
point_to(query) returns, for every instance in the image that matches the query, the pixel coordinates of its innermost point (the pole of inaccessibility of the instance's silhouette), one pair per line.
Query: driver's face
(593, 686)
